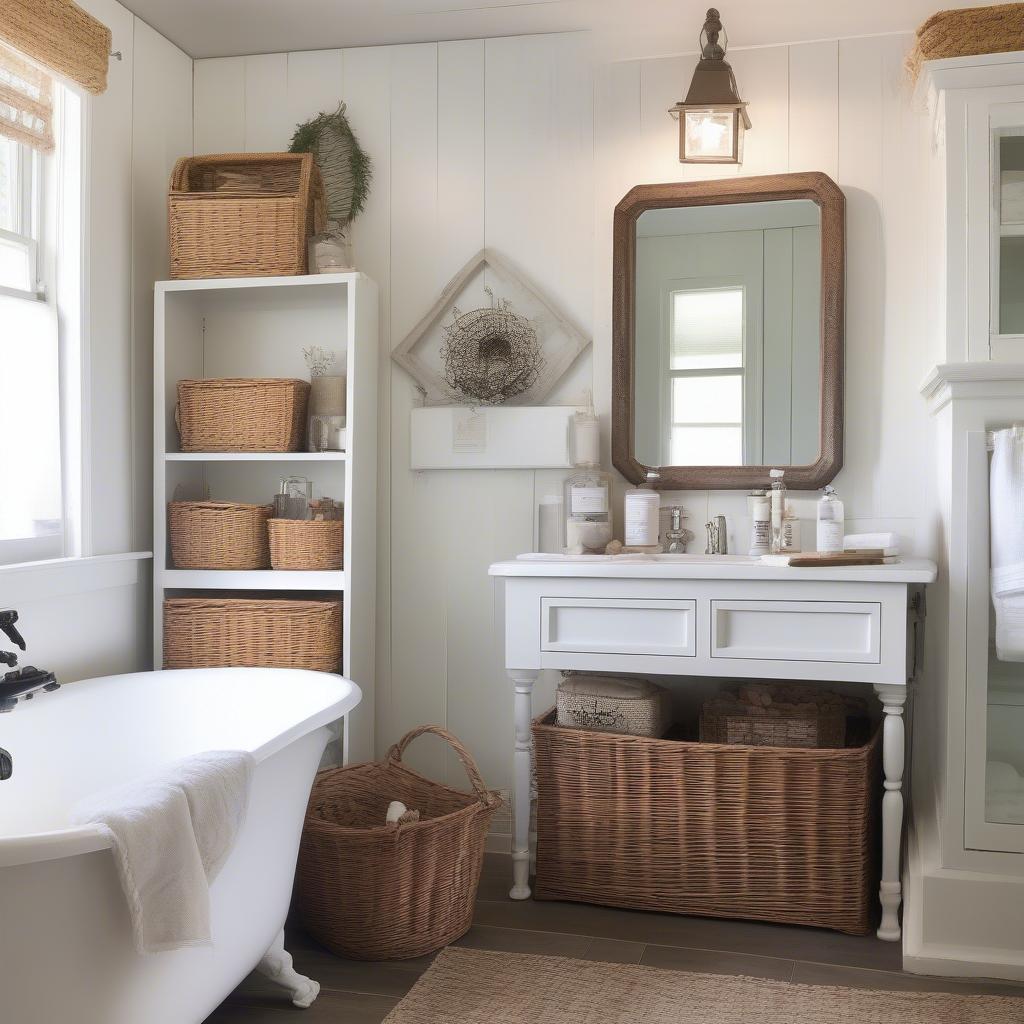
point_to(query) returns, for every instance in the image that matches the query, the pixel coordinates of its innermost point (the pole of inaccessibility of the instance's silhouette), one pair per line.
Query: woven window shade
(59, 36)
(26, 102)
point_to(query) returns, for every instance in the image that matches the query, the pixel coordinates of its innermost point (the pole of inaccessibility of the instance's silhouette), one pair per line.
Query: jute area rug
(469, 986)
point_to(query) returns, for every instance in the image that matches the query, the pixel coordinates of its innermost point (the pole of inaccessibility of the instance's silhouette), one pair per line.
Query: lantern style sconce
(712, 118)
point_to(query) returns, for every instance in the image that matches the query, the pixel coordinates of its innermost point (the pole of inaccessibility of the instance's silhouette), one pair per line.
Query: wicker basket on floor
(204, 632)
(372, 891)
(243, 214)
(306, 543)
(218, 535)
(242, 414)
(764, 833)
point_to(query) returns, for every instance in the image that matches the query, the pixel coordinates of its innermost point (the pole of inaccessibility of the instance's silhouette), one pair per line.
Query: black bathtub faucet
(19, 684)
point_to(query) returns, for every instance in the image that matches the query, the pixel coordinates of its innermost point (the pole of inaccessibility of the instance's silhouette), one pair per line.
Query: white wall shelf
(256, 579)
(256, 456)
(258, 327)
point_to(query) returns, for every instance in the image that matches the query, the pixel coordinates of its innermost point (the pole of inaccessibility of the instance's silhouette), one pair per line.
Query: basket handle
(394, 757)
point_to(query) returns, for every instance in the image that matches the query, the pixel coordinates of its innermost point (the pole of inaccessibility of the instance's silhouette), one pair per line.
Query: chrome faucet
(718, 538)
(19, 684)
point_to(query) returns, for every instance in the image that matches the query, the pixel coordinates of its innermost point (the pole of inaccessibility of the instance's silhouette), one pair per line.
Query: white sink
(683, 558)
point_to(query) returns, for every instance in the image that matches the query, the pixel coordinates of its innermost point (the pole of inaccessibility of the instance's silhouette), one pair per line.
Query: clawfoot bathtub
(66, 949)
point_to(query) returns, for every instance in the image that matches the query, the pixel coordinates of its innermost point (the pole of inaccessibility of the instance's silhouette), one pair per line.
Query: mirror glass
(727, 321)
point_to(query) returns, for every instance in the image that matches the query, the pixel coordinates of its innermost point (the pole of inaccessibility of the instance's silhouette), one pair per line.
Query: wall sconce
(712, 118)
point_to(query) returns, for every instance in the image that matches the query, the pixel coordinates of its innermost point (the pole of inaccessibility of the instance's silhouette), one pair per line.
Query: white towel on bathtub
(1006, 513)
(171, 833)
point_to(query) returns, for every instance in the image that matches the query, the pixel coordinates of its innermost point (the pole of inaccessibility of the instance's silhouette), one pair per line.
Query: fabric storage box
(242, 414)
(778, 715)
(306, 543)
(375, 891)
(606, 703)
(243, 214)
(764, 833)
(207, 632)
(218, 535)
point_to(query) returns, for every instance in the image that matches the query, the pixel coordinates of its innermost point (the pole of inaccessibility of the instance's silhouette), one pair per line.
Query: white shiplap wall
(525, 145)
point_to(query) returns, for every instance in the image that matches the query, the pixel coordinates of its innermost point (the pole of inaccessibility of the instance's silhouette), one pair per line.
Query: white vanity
(715, 616)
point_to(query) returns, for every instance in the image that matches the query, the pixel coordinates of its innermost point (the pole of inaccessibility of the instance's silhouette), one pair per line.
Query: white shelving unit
(258, 327)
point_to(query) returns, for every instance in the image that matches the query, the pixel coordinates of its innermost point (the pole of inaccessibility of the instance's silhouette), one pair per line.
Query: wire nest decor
(490, 354)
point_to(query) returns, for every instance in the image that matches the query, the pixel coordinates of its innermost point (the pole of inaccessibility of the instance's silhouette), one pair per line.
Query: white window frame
(29, 225)
(750, 371)
(58, 268)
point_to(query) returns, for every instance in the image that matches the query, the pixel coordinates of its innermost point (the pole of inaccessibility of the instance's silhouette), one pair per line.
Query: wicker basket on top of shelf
(219, 535)
(243, 214)
(242, 414)
(209, 632)
(306, 543)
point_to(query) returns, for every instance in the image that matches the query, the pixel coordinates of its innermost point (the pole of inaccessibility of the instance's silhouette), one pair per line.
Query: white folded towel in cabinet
(1006, 514)
(171, 833)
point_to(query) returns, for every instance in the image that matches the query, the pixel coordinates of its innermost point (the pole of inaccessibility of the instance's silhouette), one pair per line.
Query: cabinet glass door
(1009, 206)
(994, 811)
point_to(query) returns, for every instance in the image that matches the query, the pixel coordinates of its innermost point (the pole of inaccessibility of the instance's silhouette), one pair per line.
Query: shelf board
(253, 579)
(255, 456)
(204, 284)
(1011, 230)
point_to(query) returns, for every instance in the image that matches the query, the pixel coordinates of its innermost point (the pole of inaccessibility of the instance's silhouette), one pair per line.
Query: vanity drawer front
(838, 631)
(583, 625)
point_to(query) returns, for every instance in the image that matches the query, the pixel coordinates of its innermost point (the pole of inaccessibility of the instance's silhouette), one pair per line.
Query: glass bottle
(831, 523)
(588, 519)
(778, 512)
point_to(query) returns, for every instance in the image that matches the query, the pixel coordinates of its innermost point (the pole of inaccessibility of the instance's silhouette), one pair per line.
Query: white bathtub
(66, 950)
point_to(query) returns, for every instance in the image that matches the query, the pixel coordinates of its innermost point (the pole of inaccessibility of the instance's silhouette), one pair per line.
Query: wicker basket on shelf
(208, 632)
(306, 543)
(375, 891)
(242, 414)
(218, 535)
(766, 833)
(243, 214)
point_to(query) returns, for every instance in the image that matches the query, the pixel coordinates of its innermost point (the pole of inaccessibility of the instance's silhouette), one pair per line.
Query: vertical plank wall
(524, 145)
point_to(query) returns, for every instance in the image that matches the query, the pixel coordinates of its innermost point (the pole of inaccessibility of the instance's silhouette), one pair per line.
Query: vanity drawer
(838, 631)
(582, 625)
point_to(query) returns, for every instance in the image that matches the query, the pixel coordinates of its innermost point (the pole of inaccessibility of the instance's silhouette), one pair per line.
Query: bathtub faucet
(23, 683)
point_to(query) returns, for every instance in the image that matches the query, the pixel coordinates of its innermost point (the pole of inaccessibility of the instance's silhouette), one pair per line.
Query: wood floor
(355, 992)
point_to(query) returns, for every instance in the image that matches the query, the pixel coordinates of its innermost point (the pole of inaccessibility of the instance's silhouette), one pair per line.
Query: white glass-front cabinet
(994, 782)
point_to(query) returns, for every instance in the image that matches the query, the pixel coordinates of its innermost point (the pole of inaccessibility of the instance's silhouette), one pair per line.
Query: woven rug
(469, 986)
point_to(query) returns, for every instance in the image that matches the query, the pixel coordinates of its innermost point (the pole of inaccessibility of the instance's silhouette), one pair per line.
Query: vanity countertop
(704, 567)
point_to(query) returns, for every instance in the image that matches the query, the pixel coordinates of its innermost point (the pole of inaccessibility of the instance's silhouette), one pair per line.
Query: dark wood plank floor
(355, 992)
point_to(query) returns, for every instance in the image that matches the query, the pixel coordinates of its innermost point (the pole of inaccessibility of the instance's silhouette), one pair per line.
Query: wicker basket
(306, 544)
(372, 891)
(765, 833)
(243, 214)
(242, 414)
(732, 721)
(218, 535)
(201, 632)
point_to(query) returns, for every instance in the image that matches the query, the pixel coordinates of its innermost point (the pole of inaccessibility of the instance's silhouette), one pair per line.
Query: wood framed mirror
(727, 332)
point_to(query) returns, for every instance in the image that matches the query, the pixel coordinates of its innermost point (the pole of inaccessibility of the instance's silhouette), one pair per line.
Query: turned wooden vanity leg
(523, 682)
(893, 699)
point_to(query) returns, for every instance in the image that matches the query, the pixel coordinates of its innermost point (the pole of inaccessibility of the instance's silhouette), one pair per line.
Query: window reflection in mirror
(727, 358)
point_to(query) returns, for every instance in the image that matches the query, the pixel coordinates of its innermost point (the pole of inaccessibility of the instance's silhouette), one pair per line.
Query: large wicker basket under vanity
(765, 833)
(208, 632)
(218, 535)
(242, 414)
(375, 891)
(243, 214)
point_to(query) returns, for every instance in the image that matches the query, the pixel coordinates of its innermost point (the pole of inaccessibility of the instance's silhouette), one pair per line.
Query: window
(20, 218)
(39, 204)
(705, 376)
